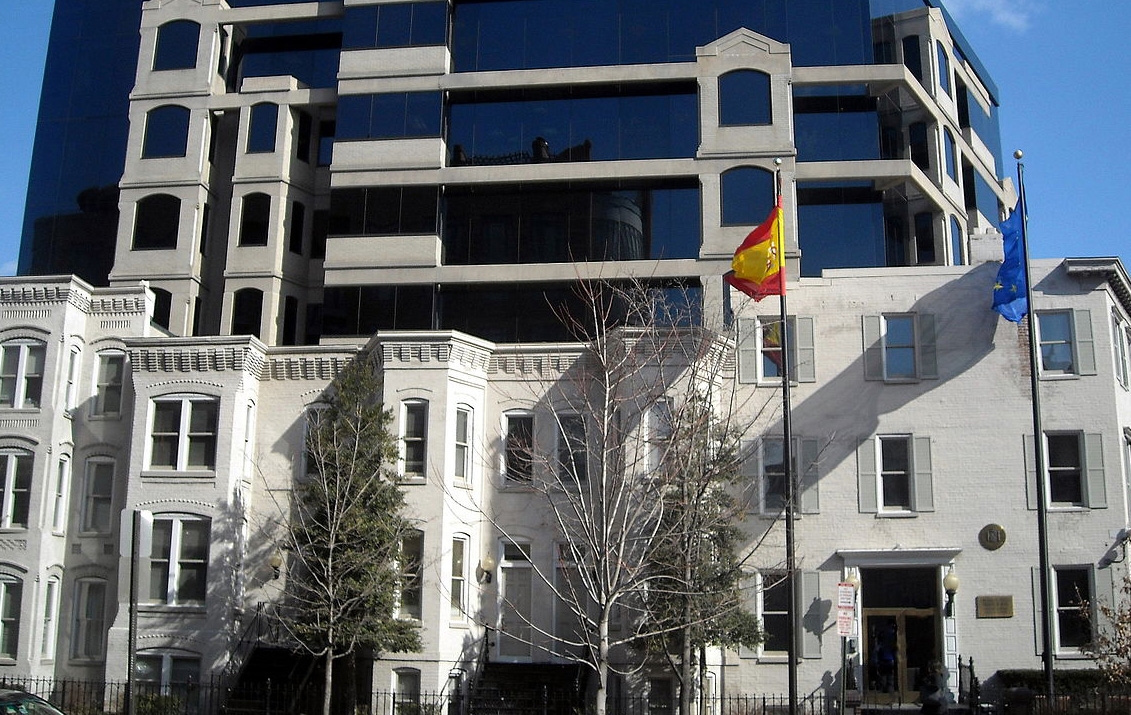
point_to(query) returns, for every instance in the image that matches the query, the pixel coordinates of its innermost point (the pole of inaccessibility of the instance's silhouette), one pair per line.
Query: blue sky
(1066, 101)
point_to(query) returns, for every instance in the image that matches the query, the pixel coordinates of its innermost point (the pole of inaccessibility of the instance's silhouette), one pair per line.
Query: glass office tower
(310, 171)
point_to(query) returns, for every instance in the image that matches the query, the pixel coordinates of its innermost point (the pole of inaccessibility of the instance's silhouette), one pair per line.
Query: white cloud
(1014, 14)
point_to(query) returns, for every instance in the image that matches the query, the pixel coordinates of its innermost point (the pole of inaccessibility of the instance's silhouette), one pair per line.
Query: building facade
(294, 182)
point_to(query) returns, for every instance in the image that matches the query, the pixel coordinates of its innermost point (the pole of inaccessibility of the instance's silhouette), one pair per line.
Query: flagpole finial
(1018, 155)
(777, 162)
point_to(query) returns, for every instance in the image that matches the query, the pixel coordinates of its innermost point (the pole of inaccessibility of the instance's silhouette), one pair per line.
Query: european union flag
(1011, 291)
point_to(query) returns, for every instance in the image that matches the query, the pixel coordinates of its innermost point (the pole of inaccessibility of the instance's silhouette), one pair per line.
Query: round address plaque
(991, 537)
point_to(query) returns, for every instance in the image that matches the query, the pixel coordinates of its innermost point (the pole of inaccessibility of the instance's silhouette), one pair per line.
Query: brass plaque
(993, 606)
(991, 537)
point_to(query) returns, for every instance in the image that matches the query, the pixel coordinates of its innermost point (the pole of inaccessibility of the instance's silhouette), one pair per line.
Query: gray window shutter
(866, 476)
(924, 480)
(928, 357)
(1030, 456)
(873, 351)
(1038, 612)
(813, 613)
(747, 350)
(1096, 488)
(1085, 343)
(804, 348)
(750, 467)
(810, 501)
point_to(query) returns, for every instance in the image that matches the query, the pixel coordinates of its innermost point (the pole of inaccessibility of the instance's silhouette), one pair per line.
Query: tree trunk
(602, 664)
(328, 682)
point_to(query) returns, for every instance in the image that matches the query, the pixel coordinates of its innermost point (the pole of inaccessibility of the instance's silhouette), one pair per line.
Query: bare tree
(345, 530)
(645, 448)
(1110, 625)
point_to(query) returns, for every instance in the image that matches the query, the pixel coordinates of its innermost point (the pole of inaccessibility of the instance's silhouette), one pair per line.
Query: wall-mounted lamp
(275, 561)
(950, 585)
(485, 569)
(853, 579)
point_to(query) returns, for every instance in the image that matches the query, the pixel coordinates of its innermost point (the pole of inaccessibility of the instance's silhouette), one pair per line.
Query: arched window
(744, 98)
(951, 154)
(956, 242)
(21, 373)
(16, 470)
(255, 220)
(166, 132)
(247, 311)
(97, 496)
(747, 195)
(944, 67)
(156, 222)
(264, 121)
(88, 630)
(11, 607)
(177, 42)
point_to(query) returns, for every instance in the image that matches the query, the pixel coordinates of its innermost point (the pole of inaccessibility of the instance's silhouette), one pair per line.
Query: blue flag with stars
(1011, 290)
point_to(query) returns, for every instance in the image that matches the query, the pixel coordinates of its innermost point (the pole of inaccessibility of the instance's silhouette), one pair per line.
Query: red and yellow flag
(759, 262)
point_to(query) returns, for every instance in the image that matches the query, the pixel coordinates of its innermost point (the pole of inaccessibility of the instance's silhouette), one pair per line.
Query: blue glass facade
(71, 215)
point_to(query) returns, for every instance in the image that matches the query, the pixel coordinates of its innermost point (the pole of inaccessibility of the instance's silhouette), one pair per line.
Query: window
(459, 578)
(920, 150)
(166, 132)
(50, 618)
(15, 488)
(400, 25)
(304, 131)
(951, 150)
(518, 450)
(176, 45)
(412, 575)
(1120, 337)
(59, 498)
(168, 673)
(21, 374)
(900, 347)
(255, 220)
(415, 438)
(573, 452)
(771, 477)
(912, 56)
(108, 385)
(297, 228)
(290, 320)
(72, 379)
(156, 222)
(178, 565)
(1073, 591)
(944, 68)
(1076, 476)
(406, 695)
(773, 608)
(760, 349)
(11, 595)
(744, 98)
(262, 125)
(1065, 339)
(247, 311)
(97, 493)
(462, 455)
(660, 696)
(395, 115)
(661, 426)
(895, 475)
(88, 637)
(162, 306)
(183, 433)
(747, 194)
(957, 243)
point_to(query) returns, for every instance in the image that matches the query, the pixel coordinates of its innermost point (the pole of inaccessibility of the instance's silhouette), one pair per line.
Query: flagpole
(787, 458)
(1039, 448)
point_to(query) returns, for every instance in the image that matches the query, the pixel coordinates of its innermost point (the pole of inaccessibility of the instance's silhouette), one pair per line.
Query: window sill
(1067, 508)
(1070, 654)
(412, 479)
(193, 474)
(93, 535)
(25, 410)
(180, 609)
(1059, 376)
(771, 658)
(462, 484)
(896, 514)
(106, 417)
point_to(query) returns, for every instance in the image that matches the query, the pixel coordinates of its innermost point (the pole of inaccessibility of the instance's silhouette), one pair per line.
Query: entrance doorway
(901, 628)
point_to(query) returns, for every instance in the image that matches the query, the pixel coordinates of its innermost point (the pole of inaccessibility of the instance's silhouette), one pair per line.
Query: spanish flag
(759, 262)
